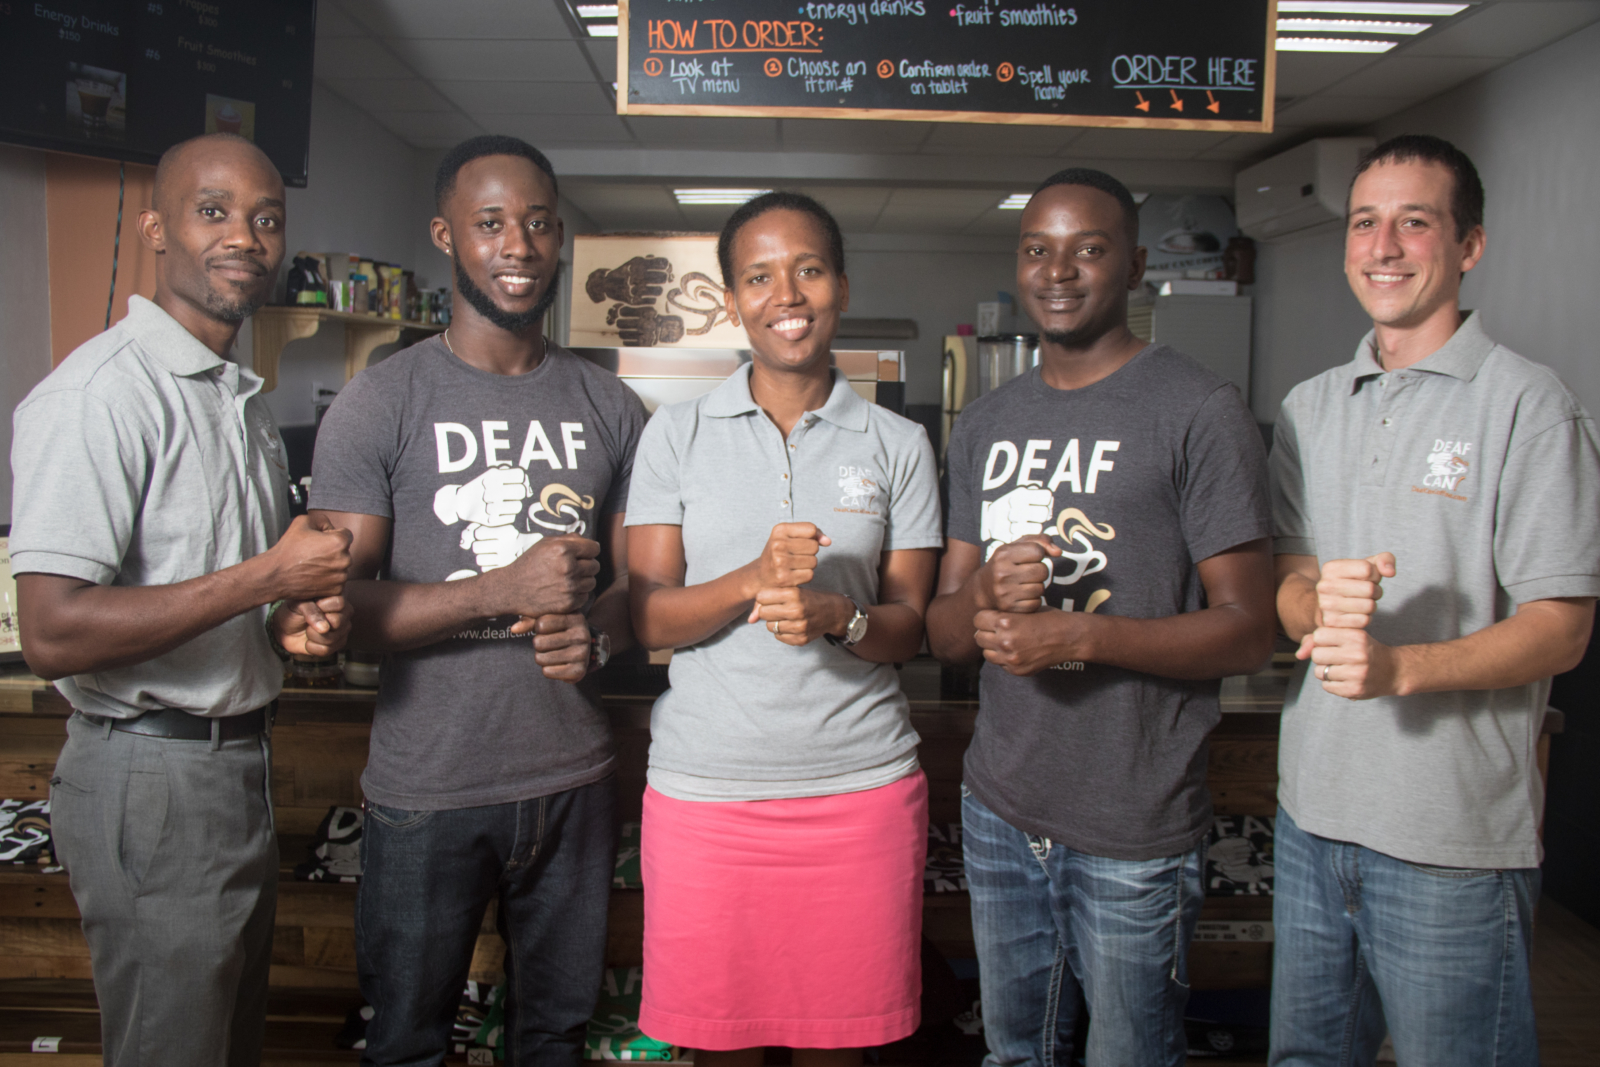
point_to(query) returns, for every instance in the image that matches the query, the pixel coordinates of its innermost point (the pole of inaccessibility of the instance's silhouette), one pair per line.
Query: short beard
(236, 309)
(1073, 338)
(510, 321)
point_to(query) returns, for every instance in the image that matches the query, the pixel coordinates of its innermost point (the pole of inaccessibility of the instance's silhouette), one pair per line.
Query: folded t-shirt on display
(614, 1028)
(628, 875)
(25, 832)
(947, 869)
(1239, 856)
(336, 852)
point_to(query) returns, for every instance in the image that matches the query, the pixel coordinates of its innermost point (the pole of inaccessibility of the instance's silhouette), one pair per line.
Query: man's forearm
(610, 614)
(1544, 638)
(951, 636)
(394, 616)
(78, 628)
(1297, 606)
(1197, 645)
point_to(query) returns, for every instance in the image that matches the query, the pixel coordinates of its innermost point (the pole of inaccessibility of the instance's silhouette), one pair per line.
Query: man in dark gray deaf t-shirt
(1138, 478)
(472, 469)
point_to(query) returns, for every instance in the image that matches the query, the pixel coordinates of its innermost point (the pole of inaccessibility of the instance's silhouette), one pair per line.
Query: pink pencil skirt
(784, 922)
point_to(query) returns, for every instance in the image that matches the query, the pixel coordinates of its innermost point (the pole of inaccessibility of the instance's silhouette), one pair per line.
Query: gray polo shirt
(147, 459)
(1479, 471)
(748, 717)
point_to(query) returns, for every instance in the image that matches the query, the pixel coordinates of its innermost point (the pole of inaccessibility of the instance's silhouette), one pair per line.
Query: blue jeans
(1050, 921)
(427, 877)
(1438, 955)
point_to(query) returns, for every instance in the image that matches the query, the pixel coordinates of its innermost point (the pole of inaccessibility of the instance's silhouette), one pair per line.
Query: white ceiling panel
(1508, 30)
(529, 98)
(331, 23)
(547, 130)
(430, 19)
(856, 207)
(524, 61)
(357, 57)
(430, 124)
(1104, 143)
(1413, 77)
(1300, 73)
(846, 134)
(603, 51)
(1243, 146)
(934, 210)
(1324, 110)
(671, 131)
(390, 94)
(950, 138)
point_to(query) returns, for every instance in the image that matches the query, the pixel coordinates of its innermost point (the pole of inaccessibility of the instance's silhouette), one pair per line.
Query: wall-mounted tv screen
(127, 79)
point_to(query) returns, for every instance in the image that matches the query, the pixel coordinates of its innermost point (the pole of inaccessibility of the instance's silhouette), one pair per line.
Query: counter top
(1250, 703)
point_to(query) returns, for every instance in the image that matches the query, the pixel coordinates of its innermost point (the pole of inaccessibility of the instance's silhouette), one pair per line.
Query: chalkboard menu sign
(128, 79)
(1167, 64)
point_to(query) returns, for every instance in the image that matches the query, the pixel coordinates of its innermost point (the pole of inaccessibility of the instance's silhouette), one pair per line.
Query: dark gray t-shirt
(1138, 478)
(474, 468)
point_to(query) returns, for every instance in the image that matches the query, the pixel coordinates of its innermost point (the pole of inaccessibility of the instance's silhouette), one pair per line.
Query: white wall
(365, 193)
(1306, 318)
(1531, 130)
(936, 281)
(24, 293)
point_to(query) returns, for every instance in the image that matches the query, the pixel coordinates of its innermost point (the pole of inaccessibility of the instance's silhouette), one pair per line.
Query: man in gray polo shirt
(148, 537)
(1430, 477)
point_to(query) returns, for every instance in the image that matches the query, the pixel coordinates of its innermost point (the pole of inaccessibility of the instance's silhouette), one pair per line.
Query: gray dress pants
(174, 865)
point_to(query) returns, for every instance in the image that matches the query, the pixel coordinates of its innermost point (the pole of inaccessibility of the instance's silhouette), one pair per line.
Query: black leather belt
(181, 726)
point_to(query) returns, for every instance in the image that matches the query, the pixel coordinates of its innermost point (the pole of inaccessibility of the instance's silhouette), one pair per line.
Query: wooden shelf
(274, 327)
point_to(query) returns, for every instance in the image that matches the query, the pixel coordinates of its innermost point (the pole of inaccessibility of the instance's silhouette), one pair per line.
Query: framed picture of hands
(649, 291)
(10, 635)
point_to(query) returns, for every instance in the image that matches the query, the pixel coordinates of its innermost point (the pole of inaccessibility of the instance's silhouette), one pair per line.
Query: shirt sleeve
(357, 445)
(1553, 474)
(632, 426)
(79, 470)
(963, 508)
(1224, 491)
(913, 520)
(1291, 524)
(655, 496)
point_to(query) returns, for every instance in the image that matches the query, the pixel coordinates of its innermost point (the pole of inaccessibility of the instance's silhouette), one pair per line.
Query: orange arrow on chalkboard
(1143, 104)
(1215, 107)
(1176, 105)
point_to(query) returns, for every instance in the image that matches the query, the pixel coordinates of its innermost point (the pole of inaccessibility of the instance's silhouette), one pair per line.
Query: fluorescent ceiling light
(1370, 7)
(717, 196)
(1331, 44)
(1349, 26)
(601, 29)
(596, 11)
(1015, 202)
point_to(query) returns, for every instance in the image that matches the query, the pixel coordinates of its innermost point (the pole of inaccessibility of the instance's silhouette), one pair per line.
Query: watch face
(857, 629)
(601, 650)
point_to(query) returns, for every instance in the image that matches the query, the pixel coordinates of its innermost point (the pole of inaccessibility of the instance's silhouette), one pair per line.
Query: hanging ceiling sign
(1161, 64)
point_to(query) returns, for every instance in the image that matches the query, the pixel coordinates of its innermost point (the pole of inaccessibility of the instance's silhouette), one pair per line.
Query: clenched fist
(1014, 579)
(1025, 510)
(554, 577)
(790, 557)
(493, 498)
(309, 561)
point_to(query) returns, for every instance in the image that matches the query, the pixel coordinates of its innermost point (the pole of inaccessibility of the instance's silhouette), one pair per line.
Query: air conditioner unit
(1302, 188)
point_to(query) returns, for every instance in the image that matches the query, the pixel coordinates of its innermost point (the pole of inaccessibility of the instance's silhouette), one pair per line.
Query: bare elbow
(44, 659)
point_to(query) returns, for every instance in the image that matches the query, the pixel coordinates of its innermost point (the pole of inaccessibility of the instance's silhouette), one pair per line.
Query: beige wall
(1531, 130)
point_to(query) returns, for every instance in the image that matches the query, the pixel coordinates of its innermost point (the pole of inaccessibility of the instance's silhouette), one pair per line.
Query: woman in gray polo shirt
(783, 542)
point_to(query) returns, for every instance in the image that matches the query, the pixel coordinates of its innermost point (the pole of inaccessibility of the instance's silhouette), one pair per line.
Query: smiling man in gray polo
(1438, 559)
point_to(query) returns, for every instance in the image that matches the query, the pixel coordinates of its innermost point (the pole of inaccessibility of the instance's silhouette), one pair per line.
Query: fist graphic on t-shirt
(493, 498)
(496, 546)
(1025, 510)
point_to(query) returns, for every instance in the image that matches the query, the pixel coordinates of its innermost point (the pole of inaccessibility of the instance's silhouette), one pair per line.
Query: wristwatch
(599, 649)
(855, 630)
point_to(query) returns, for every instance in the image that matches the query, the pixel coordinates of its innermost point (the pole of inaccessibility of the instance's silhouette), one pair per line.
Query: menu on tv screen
(127, 79)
